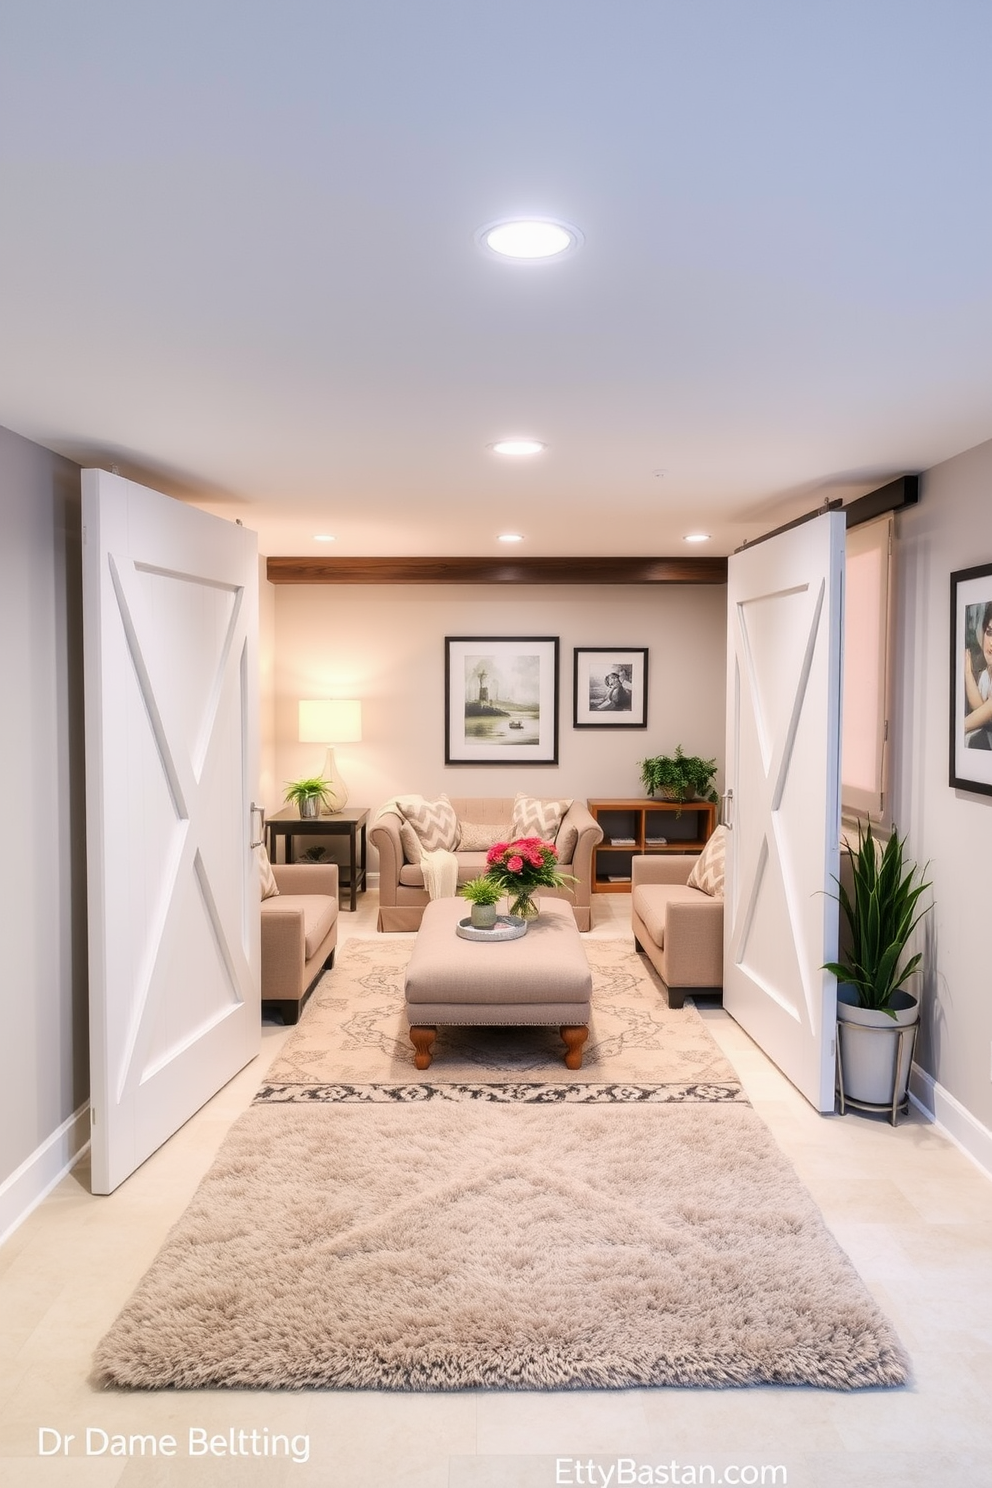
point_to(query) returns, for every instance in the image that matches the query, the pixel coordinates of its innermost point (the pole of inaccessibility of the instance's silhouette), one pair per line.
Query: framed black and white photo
(611, 687)
(501, 700)
(971, 680)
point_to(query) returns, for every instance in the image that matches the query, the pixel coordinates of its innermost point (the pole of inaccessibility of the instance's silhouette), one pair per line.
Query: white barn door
(785, 610)
(170, 615)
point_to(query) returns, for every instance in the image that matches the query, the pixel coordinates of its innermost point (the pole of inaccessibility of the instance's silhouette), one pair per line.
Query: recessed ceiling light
(518, 447)
(511, 537)
(530, 239)
(696, 537)
(322, 537)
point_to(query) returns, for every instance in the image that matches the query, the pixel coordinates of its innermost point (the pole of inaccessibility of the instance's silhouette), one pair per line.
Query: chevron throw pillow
(536, 818)
(432, 825)
(266, 877)
(707, 871)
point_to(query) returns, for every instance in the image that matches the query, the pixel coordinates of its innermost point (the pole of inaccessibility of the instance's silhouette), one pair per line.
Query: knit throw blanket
(440, 873)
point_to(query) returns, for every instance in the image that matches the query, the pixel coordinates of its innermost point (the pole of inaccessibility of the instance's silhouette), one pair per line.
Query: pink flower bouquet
(523, 865)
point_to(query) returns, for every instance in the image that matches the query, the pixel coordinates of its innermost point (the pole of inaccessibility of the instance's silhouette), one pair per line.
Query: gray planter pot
(483, 916)
(309, 807)
(876, 1051)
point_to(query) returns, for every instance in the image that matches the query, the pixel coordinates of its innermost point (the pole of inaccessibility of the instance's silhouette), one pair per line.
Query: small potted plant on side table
(876, 1015)
(483, 894)
(308, 796)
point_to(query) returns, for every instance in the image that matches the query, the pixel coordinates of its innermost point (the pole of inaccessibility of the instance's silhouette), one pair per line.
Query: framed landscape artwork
(501, 700)
(611, 687)
(971, 680)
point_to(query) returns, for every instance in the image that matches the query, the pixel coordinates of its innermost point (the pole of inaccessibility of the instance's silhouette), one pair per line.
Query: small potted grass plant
(880, 913)
(483, 894)
(308, 796)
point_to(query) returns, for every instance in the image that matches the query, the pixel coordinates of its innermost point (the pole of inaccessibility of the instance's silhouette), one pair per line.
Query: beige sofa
(402, 895)
(299, 933)
(678, 928)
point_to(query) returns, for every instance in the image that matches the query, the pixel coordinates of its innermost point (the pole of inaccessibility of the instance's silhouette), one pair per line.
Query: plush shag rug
(447, 1246)
(353, 1044)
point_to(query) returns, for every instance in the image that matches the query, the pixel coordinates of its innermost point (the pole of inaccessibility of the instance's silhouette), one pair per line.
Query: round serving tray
(507, 927)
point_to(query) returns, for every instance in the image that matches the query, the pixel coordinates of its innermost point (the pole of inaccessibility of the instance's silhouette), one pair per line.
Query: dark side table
(351, 823)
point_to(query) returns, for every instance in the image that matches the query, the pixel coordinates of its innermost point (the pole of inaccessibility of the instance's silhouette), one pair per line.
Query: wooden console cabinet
(633, 825)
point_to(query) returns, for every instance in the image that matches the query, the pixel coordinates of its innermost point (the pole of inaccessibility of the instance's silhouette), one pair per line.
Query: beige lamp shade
(330, 721)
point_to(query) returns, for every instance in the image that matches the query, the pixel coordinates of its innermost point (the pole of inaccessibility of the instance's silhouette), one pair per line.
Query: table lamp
(331, 721)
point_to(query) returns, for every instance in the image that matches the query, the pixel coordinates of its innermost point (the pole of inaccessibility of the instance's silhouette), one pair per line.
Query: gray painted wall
(949, 530)
(43, 1055)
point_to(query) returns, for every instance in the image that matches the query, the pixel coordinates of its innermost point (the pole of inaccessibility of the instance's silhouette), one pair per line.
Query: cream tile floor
(911, 1210)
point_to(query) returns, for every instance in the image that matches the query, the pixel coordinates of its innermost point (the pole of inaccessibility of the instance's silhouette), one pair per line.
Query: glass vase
(525, 905)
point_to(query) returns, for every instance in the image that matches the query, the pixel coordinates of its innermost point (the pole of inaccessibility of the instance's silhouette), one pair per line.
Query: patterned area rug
(352, 1044)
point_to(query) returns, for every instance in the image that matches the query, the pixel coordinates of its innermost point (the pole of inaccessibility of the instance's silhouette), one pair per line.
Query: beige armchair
(299, 933)
(402, 895)
(678, 928)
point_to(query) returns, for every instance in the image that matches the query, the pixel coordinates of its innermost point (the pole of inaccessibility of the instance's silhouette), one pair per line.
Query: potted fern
(679, 777)
(880, 913)
(308, 796)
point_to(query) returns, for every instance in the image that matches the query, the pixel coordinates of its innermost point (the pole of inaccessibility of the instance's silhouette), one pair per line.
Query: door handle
(261, 825)
(726, 811)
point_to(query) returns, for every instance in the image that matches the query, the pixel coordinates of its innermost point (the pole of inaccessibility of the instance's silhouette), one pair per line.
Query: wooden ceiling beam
(497, 570)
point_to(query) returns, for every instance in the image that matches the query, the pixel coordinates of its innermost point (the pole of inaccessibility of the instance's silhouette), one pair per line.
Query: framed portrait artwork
(971, 680)
(501, 700)
(611, 687)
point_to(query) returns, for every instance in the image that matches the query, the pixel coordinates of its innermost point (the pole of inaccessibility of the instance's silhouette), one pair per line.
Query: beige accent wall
(385, 645)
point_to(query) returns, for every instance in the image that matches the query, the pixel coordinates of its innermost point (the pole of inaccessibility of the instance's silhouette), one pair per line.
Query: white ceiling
(237, 259)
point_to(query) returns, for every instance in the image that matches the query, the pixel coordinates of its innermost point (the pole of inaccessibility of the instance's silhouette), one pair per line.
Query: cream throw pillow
(266, 877)
(430, 825)
(480, 837)
(412, 851)
(707, 871)
(536, 818)
(566, 842)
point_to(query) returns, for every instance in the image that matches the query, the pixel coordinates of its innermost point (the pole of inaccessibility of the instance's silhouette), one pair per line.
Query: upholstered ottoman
(542, 978)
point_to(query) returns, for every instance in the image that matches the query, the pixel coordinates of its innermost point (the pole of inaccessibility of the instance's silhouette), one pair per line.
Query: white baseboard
(953, 1119)
(39, 1173)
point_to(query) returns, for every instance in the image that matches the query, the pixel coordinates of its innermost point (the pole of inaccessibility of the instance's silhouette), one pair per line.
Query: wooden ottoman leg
(422, 1039)
(574, 1036)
